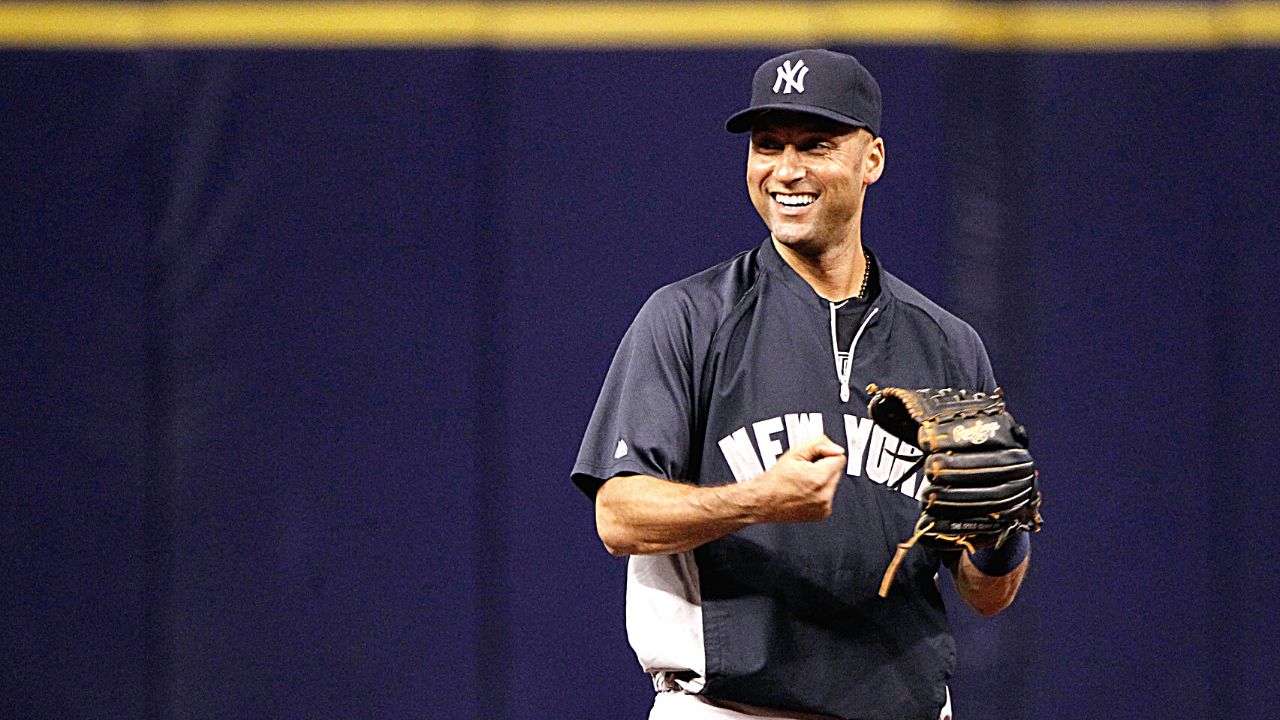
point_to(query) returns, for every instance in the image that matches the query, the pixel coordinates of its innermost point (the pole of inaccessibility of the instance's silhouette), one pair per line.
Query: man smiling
(807, 177)
(731, 457)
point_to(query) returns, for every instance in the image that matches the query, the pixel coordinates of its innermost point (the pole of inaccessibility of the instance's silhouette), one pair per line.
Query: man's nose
(790, 167)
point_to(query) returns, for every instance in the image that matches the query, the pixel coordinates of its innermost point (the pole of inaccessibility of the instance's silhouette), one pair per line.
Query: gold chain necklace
(866, 275)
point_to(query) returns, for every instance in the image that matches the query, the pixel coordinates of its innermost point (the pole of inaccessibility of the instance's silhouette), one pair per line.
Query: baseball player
(731, 457)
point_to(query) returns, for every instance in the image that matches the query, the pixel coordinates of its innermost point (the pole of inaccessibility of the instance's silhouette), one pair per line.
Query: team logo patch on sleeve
(622, 449)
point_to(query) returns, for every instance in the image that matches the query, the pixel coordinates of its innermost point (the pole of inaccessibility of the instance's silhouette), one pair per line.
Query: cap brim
(742, 121)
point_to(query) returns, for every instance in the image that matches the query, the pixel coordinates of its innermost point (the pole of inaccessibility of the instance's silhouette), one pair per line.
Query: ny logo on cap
(792, 76)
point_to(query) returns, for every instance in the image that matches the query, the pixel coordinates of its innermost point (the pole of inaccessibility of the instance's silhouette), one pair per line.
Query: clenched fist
(801, 484)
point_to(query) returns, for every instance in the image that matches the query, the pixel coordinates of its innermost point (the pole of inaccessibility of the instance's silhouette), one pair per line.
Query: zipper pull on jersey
(844, 361)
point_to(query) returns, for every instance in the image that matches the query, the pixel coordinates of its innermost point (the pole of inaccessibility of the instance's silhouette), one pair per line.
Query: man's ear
(873, 161)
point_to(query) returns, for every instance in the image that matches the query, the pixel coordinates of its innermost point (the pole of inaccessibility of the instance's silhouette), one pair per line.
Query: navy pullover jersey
(717, 376)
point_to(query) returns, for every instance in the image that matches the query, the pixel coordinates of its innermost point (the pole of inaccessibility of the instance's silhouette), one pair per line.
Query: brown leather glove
(982, 483)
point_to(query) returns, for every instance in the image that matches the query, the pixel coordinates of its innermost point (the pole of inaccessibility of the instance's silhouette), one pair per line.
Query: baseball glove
(982, 483)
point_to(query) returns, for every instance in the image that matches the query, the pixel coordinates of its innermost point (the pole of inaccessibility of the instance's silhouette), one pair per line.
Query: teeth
(799, 200)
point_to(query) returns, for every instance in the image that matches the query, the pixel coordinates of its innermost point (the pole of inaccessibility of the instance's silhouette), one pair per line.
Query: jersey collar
(773, 263)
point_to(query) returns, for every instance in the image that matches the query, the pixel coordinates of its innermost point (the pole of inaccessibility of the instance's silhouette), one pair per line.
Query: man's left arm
(989, 579)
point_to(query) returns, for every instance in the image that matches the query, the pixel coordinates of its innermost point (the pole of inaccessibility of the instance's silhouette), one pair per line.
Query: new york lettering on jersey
(872, 453)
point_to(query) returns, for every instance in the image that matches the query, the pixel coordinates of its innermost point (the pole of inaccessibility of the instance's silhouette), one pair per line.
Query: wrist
(752, 500)
(736, 503)
(997, 562)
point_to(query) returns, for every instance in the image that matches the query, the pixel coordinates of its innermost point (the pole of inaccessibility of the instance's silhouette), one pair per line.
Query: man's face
(806, 176)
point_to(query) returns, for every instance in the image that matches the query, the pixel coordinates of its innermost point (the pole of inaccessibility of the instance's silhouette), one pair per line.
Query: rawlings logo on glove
(975, 434)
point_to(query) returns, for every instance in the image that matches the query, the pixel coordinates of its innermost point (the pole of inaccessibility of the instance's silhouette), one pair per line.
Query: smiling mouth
(794, 200)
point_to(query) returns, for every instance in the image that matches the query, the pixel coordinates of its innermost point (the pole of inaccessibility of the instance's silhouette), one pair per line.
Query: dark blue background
(299, 346)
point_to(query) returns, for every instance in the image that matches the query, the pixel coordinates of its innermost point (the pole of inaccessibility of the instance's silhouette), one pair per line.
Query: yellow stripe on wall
(1013, 26)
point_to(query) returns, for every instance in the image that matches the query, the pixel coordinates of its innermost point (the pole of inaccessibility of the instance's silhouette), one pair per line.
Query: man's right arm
(643, 515)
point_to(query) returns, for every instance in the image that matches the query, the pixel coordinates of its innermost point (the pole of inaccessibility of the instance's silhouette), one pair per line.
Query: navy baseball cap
(816, 82)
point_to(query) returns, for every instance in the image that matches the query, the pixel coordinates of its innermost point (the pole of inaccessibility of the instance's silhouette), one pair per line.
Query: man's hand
(641, 515)
(801, 484)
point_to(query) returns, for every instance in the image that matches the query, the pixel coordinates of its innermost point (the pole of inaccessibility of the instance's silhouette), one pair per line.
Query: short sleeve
(642, 422)
(984, 379)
